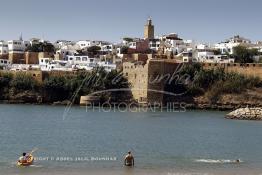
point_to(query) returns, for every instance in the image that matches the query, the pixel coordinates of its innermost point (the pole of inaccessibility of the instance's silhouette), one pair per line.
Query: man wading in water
(129, 160)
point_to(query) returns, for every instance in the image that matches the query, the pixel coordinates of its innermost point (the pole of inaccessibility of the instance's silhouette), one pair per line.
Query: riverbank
(226, 102)
(250, 98)
(209, 89)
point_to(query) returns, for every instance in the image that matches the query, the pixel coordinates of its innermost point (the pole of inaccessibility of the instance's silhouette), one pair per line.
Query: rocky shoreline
(246, 114)
(227, 102)
(185, 105)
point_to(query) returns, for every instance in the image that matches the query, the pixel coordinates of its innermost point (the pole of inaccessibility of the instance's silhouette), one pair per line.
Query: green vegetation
(22, 82)
(244, 55)
(41, 47)
(217, 52)
(5, 79)
(215, 82)
(124, 49)
(128, 39)
(94, 50)
(61, 87)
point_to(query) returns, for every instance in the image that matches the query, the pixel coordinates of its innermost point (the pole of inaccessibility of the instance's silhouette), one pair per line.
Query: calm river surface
(94, 142)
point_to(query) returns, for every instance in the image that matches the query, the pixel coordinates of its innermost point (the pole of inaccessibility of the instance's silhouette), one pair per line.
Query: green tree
(128, 39)
(217, 52)
(55, 88)
(124, 49)
(244, 55)
(5, 79)
(22, 81)
(94, 50)
(41, 47)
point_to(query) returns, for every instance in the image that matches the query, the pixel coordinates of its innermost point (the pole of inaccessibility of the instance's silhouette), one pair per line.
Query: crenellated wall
(245, 69)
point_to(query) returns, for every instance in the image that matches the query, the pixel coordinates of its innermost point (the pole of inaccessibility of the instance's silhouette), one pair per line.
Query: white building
(85, 43)
(216, 59)
(65, 52)
(4, 63)
(127, 41)
(63, 43)
(104, 45)
(154, 44)
(188, 57)
(17, 46)
(84, 62)
(204, 53)
(46, 64)
(239, 39)
(78, 60)
(257, 46)
(176, 44)
(3, 48)
(74, 63)
(107, 48)
(202, 47)
(227, 47)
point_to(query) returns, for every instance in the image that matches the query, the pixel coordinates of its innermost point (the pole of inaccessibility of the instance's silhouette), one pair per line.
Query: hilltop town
(141, 61)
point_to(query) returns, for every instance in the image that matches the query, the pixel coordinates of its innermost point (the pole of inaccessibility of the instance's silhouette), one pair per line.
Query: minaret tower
(149, 29)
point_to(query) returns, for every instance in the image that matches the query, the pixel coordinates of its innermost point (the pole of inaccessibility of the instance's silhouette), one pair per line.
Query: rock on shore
(246, 114)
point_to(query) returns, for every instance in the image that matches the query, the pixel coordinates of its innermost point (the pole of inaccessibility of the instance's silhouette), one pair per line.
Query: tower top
(149, 29)
(149, 21)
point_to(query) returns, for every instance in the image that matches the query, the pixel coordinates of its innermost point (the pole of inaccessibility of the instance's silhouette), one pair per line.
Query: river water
(91, 141)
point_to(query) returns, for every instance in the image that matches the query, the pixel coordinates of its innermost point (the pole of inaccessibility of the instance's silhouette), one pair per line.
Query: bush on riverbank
(215, 82)
(97, 82)
(5, 79)
(62, 87)
(22, 81)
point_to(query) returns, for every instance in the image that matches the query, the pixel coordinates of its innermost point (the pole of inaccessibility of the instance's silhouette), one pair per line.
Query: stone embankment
(246, 114)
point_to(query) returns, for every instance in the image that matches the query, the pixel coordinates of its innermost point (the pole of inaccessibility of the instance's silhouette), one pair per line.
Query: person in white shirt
(23, 158)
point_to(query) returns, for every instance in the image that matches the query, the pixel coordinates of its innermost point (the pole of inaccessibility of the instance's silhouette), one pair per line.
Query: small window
(78, 59)
(84, 59)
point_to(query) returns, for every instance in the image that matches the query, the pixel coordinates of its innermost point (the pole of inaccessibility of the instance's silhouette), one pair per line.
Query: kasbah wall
(245, 69)
(143, 77)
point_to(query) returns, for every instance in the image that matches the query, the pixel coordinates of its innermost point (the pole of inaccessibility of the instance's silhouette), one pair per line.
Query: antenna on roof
(43, 37)
(21, 37)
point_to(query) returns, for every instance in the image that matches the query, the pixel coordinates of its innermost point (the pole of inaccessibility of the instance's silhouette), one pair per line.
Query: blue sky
(202, 20)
